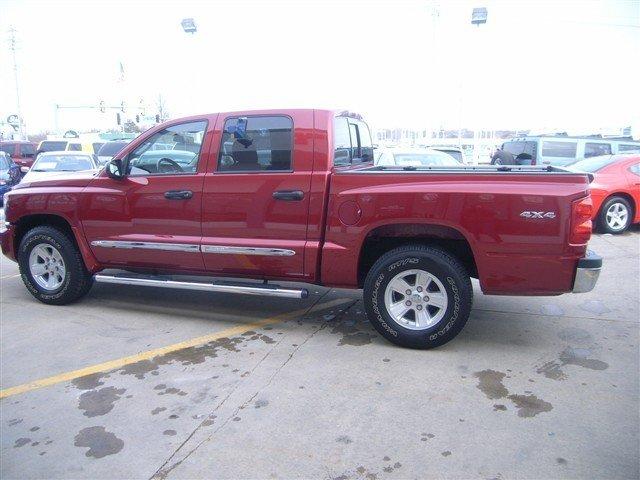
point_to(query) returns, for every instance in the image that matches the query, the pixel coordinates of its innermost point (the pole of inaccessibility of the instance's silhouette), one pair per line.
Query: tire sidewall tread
(77, 280)
(436, 261)
(602, 216)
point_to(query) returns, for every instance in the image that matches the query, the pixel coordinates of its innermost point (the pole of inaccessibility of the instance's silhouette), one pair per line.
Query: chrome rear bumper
(587, 272)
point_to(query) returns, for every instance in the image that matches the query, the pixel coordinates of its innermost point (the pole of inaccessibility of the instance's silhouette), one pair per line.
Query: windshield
(52, 146)
(592, 164)
(109, 149)
(424, 159)
(62, 163)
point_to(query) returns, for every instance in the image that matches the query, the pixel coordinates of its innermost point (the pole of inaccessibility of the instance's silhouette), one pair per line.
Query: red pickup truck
(294, 195)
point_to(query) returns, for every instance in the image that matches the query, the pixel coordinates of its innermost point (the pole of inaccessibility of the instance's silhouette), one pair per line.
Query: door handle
(288, 195)
(178, 194)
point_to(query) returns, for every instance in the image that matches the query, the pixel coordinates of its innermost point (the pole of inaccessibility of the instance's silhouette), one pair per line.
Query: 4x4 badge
(528, 214)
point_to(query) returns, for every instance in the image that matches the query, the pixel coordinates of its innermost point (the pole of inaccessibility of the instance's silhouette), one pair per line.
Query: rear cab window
(352, 142)
(265, 145)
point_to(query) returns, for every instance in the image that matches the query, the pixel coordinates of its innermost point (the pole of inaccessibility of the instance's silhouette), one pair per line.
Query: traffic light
(118, 119)
(157, 118)
(102, 107)
(122, 107)
(137, 118)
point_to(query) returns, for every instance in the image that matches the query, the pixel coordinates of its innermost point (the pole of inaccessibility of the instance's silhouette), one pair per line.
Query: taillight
(581, 213)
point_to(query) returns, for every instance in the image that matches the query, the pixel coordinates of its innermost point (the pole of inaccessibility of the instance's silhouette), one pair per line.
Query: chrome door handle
(288, 195)
(178, 194)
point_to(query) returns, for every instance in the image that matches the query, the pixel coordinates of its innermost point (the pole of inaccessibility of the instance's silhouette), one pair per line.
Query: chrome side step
(247, 289)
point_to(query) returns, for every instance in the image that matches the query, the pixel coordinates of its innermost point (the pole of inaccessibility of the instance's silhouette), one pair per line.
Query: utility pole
(13, 47)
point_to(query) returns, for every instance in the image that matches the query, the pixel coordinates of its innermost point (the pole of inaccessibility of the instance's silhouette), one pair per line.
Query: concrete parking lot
(134, 382)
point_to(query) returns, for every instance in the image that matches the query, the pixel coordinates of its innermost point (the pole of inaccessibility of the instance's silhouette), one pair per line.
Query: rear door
(152, 217)
(256, 195)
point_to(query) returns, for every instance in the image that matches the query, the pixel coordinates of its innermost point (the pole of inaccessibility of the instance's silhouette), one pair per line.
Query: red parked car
(615, 190)
(21, 152)
(294, 195)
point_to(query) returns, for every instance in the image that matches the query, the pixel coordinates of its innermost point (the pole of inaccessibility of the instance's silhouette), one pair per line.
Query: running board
(247, 289)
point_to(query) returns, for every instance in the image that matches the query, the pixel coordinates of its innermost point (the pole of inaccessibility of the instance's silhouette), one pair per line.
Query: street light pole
(478, 17)
(12, 47)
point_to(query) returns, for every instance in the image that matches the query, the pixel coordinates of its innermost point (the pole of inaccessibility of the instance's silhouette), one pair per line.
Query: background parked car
(52, 146)
(9, 174)
(563, 149)
(109, 149)
(83, 146)
(50, 164)
(455, 152)
(414, 157)
(615, 190)
(21, 152)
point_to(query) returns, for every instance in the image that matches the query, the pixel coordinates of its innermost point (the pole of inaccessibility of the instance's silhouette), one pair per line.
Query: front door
(256, 195)
(152, 218)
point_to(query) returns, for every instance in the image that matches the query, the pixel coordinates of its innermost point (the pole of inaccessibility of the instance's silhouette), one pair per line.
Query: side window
(366, 145)
(596, 149)
(265, 146)
(559, 149)
(627, 148)
(173, 150)
(342, 142)
(355, 149)
(635, 168)
(27, 150)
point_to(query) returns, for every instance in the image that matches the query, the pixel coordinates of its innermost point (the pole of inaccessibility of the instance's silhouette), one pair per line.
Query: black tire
(77, 281)
(603, 225)
(446, 268)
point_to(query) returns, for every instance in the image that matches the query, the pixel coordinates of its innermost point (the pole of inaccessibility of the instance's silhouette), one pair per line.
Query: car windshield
(109, 149)
(62, 163)
(50, 146)
(424, 159)
(592, 164)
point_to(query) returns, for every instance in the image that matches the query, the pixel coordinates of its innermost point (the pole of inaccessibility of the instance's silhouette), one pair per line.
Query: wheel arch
(624, 195)
(383, 238)
(27, 222)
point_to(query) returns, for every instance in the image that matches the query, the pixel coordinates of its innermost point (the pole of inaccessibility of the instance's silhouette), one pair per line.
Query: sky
(542, 65)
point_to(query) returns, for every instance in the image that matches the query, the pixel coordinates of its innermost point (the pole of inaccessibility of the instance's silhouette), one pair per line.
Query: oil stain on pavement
(571, 356)
(100, 442)
(490, 383)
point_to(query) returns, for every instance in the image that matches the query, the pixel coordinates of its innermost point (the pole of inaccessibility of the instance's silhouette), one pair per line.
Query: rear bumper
(587, 272)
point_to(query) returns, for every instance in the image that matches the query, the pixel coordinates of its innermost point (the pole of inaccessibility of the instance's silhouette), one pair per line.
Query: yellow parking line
(120, 362)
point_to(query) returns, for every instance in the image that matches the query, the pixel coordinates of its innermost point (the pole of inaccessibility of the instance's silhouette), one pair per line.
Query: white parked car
(414, 157)
(50, 164)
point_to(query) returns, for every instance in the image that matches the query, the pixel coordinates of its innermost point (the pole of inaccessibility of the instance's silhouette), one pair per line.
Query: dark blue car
(9, 175)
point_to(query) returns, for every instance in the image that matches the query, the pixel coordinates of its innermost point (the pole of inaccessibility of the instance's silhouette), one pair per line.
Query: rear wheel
(615, 215)
(51, 266)
(418, 296)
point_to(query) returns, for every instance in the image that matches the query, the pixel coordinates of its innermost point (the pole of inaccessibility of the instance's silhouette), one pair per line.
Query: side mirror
(115, 169)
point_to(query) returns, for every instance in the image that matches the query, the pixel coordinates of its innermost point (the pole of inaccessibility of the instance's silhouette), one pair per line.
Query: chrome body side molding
(228, 250)
(186, 247)
(168, 247)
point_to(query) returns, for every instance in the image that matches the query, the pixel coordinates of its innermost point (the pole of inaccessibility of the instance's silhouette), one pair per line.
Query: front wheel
(51, 266)
(418, 296)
